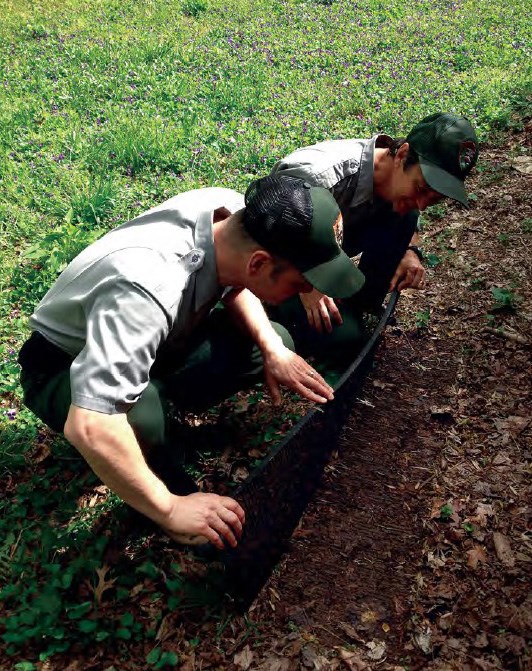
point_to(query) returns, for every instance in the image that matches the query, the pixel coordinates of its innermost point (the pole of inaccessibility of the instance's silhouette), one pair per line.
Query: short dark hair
(412, 158)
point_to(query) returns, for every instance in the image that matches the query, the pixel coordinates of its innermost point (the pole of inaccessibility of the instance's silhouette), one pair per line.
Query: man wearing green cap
(126, 334)
(380, 185)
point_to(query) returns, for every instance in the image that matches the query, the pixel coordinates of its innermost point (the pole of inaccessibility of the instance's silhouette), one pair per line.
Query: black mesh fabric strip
(275, 495)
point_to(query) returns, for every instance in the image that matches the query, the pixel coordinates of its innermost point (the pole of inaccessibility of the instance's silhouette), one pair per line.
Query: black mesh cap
(294, 220)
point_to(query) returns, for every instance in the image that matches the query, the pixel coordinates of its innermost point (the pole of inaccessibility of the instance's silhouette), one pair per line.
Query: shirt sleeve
(125, 327)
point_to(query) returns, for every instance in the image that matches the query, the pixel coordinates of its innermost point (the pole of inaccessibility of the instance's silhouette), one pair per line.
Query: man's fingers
(201, 518)
(413, 279)
(316, 379)
(312, 395)
(335, 313)
(232, 520)
(225, 521)
(310, 318)
(419, 279)
(407, 280)
(325, 318)
(223, 530)
(273, 388)
(235, 507)
(294, 372)
(315, 388)
(317, 319)
(394, 281)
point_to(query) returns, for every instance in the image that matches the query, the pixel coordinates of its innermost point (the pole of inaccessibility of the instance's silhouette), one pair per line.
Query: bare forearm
(109, 446)
(281, 365)
(248, 311)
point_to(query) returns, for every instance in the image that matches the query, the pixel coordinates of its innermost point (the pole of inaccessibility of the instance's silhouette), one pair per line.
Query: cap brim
(338, 278)
(443, 182)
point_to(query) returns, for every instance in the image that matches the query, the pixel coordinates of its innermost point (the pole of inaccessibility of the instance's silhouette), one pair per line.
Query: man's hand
(199, 518)
(284, 367)
(281, 365)
(321, 310)
(110, 447)
(410, 273)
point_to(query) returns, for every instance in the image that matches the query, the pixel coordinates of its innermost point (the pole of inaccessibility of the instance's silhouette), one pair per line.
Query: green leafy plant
(438, 211)
(159, 659)
(194, 7)
(92, 207)
(45, 259)
(504, 239)
(432, 260)
(446, 512)
(505, 300)
(422, 319)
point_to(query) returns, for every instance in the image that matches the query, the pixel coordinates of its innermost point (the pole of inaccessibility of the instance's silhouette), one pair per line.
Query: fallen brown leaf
(103, 584)
(244, 658)
(503, 549)
(475, 555)
(352, 660)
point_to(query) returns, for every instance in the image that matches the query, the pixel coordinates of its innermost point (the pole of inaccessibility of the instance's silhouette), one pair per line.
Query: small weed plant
(422, 319)
(194, 7)
(505, 300)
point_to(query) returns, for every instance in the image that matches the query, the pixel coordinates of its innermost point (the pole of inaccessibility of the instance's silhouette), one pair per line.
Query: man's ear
(402, 152)
(258, 261)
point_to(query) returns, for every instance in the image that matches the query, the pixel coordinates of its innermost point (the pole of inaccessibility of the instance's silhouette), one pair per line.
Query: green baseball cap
(447, 147)
(295, 221)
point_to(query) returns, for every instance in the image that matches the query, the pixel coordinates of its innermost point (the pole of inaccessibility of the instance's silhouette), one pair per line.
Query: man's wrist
(417, 251)
(271, 345)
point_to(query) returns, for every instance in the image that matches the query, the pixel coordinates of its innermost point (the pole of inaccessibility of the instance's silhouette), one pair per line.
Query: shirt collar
(207, 287)
(364, 190)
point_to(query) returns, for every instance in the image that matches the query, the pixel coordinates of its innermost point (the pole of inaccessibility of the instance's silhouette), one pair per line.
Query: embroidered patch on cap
(467, 154)
(338, 227)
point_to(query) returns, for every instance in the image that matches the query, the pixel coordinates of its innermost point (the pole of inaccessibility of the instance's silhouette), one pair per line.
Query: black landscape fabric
(275, 495)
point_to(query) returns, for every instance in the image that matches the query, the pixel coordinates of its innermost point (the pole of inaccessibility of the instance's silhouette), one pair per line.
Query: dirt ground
(415, 552)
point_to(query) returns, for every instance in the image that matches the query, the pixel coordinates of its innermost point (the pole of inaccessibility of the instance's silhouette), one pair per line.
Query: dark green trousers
(332, 351)
(219, 361)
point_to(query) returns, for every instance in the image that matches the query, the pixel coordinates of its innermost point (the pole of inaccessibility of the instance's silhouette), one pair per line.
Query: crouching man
(127, 333)
(381, 185)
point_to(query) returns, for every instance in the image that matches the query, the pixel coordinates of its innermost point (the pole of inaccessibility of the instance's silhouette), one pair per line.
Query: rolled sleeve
(124, 331)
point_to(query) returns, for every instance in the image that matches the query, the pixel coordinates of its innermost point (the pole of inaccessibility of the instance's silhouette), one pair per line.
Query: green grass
(109, 107)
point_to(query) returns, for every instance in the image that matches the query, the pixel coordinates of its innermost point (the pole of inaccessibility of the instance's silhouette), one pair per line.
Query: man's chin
(400, 208)
(274, 301)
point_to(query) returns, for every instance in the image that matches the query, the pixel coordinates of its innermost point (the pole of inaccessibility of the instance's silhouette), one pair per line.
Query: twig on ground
(509, 335)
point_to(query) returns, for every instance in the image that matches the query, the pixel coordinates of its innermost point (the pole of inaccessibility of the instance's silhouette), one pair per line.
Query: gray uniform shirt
(345, 167)
(145, 283)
